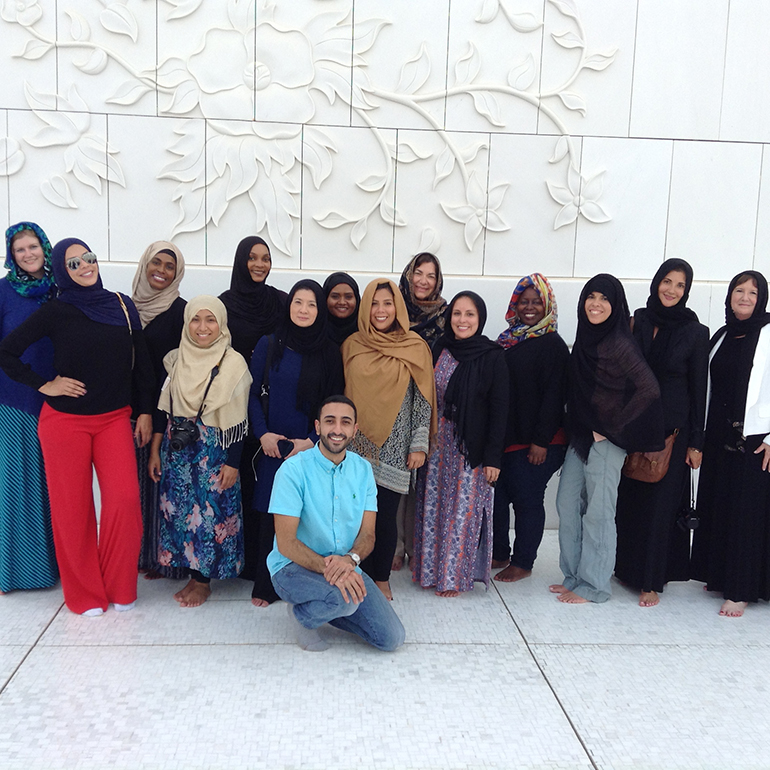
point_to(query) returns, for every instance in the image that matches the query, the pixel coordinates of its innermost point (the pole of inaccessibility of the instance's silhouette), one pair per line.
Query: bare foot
(448, 594)
(732, 609)
(384, 586)
(568, 597)
(257, 602)
(180, 595)
(152, 574)
(512, 573)
(196, 595)
(500, 563)
(557, 589)
(398, 563)
(648, 599)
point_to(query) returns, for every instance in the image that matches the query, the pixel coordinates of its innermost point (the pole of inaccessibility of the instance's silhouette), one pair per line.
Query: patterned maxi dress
(453, 520)
(201, 527)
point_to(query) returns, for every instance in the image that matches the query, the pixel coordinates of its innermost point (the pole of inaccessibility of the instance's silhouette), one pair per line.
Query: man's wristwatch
(356, 558)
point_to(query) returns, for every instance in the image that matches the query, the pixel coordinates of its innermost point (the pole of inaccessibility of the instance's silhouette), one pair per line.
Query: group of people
(206, 421)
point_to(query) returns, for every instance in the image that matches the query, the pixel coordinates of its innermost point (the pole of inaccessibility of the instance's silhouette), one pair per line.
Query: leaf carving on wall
(257, 60)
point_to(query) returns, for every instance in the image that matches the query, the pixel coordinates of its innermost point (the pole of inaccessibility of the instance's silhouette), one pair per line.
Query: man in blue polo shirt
(324, 503)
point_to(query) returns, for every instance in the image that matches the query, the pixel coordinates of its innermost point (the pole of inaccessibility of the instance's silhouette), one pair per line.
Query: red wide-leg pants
(96, 569)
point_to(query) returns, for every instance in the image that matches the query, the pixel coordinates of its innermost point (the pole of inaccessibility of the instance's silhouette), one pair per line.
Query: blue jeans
(586, 500)
(522, 484)
(317, 602)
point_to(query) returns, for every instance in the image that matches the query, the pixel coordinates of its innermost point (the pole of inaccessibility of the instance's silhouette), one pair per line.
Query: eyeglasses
(89, 257)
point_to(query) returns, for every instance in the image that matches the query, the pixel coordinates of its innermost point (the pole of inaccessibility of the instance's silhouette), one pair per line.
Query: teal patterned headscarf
(22, 282)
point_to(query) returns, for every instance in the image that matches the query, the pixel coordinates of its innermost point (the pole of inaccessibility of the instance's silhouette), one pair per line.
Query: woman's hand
(154, 466)
(415, 460)
(269, 443)
(63, 386)
(300, 445)
(143, 429)
(694, 458)
(537, 454)
(766, 459)
(491, 474)
(227, 477)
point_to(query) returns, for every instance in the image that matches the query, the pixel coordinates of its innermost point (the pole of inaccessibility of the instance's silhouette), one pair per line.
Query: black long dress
(731, 547)
(162, 334)
(652, 549)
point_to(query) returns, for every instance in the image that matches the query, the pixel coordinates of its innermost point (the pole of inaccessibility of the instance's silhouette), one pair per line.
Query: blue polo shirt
(328, 499)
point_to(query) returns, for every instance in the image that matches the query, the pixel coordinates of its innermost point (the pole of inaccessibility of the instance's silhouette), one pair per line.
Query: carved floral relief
(290, 80)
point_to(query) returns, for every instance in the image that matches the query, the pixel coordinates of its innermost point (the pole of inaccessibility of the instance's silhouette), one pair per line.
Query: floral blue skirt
(201, 526)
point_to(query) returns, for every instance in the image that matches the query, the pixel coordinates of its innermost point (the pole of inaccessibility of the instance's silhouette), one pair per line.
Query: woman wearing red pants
(85, 424)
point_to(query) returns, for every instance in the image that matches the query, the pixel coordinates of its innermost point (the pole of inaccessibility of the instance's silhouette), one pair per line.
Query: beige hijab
(151, 302)
(189, 371)
(379, 365)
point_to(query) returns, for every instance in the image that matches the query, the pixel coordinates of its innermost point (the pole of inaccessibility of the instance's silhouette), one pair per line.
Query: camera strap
(214, 373)
(264, 393)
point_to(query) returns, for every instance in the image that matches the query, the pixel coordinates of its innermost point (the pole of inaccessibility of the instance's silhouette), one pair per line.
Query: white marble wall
(565, 136)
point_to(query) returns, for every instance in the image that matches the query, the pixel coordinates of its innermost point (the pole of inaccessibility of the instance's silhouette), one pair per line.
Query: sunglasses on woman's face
(87, 256)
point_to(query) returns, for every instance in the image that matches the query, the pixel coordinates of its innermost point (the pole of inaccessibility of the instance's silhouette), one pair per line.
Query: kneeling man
(324, 504)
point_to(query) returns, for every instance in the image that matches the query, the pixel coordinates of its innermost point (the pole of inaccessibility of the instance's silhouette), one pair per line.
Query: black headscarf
(748, 329)
(253, 308)
(464, 401)
(667, 319)
(759, 317)
(612, 389)
(341, 328)
(321, 372)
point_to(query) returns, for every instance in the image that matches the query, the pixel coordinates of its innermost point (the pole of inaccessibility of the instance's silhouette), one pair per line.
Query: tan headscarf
(151, 302)
(378, 366)
(189, 371)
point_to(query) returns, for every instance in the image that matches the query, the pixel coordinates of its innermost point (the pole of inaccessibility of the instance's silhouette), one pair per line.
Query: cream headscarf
(151, 302)
(189, 371)
(378, 366)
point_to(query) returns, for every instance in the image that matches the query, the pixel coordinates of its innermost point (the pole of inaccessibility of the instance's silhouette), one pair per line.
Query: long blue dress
(27, 557)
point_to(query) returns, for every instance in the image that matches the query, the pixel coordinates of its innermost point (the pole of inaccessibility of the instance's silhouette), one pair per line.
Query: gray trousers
(586, 500)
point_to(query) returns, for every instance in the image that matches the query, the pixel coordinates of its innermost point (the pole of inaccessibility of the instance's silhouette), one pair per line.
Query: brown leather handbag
(650, 466)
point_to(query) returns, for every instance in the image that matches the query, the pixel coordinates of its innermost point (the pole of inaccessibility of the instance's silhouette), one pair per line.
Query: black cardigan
(537, 370)
(97, 354)
(163, 334)
(490, 408)
(683, 376)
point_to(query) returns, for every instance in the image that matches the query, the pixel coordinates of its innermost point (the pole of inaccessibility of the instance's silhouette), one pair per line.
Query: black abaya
(731, 547)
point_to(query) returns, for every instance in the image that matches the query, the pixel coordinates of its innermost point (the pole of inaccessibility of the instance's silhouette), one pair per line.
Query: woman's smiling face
(28, 254)
(743, 299)
(465, 318)
(259, 262)
(530, 308)
(383, 312)
(161, 271)
(341, 301)
(303, 309)
(204, 328)
(671, 288)
(597, 307)
(81, 265)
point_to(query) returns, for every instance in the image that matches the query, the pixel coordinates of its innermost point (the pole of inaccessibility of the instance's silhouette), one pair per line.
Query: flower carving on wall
(294, 73)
